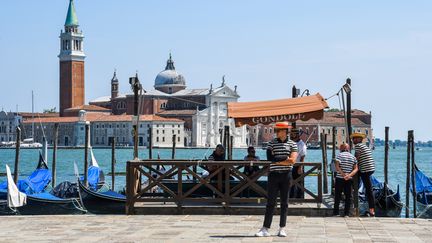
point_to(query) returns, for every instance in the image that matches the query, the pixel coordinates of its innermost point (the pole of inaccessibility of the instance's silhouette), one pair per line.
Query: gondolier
(366, 166)
(282, 152)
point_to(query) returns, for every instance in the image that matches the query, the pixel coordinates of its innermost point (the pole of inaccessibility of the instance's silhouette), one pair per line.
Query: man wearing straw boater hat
(297, 171)
(282, 152)
(366, 166)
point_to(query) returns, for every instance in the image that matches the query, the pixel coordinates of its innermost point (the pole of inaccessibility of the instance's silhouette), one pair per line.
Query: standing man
(297, 192)
(282, 152)
(346, 167)
(366, 166)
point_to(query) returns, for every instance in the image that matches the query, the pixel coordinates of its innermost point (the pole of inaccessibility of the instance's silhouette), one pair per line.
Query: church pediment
(224, 91)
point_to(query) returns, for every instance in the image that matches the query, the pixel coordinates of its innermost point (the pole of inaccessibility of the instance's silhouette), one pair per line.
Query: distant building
(9, 121)
(204, 111)
(311, 129)
(71, 57)
(106, 127)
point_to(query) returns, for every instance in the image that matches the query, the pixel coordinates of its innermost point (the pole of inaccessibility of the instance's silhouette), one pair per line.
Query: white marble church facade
(208, 124)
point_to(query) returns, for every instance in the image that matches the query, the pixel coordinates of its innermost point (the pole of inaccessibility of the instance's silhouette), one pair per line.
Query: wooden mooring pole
(174, 137)
(113, 162)
(333, 159)
(151, 142)
(413, 173)
(226, 139)
(407, 189)
(86, 150)
(386, 151)
(230, 151)
(324, 161)
(17, 153)
(54, 159)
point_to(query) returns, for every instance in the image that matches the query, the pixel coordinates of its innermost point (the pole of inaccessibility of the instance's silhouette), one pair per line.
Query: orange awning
(267, 112)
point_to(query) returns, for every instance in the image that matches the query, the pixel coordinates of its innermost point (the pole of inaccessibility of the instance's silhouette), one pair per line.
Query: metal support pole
(54, 160)
(136, 86)
(17, 153)
(293, 95)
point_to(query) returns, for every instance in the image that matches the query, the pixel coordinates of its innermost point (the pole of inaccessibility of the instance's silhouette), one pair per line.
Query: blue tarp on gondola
(35, 183)
(423, 183)
(95, 177)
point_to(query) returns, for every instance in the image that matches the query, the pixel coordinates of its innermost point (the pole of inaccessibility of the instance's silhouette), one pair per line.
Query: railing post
(227, 198)
(179, 188)
(130, 192)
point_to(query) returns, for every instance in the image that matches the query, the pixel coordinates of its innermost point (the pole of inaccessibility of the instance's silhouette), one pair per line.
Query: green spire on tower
(71, 18)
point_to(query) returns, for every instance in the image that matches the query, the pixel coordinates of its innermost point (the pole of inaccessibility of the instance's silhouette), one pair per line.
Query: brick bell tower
(71, 63)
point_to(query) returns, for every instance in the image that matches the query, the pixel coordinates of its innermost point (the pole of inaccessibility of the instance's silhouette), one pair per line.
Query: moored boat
(387, 202)
(424, 194)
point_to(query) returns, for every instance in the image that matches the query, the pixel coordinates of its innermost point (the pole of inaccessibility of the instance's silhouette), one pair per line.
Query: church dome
(169, 76)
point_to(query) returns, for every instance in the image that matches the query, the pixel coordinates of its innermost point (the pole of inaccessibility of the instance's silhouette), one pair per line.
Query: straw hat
(282, 125)
(358, 135)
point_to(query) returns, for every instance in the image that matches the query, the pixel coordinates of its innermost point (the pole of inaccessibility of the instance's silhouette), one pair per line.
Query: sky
(263, 47)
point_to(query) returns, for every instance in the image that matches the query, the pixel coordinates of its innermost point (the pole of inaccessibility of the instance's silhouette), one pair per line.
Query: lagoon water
(66, 157)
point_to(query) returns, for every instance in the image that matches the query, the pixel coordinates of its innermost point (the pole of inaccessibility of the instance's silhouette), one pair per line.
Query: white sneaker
(281, 232)
(263, 232)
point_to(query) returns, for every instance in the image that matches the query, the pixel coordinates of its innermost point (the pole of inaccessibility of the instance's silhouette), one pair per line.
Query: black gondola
(97, 202)
(47, 204)
(386, 204)
(97, 198)
(424, 194)
(47, 201)
(4, 208)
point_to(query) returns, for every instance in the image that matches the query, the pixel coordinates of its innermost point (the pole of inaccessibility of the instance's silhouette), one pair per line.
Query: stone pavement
(215, 228)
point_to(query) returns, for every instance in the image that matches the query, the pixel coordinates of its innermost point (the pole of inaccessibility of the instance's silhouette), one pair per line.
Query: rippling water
(66, 157)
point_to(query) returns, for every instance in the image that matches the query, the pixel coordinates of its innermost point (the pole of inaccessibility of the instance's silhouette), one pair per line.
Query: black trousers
(367, 182)
(295, 191)
(346, 187)
(277, 183)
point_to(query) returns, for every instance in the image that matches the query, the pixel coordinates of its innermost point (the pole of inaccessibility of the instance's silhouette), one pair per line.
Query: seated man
(217, 155)
(250, 170)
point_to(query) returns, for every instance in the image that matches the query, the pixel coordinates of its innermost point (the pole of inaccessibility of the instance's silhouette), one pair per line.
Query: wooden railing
(225, 185)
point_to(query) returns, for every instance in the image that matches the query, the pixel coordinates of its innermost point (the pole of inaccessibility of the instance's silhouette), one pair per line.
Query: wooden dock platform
(324, 209)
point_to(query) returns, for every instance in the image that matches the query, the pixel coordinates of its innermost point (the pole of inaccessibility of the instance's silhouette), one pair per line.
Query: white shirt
(302, 150)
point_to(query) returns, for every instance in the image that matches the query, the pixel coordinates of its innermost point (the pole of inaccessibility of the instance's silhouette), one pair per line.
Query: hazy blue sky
(264, 47)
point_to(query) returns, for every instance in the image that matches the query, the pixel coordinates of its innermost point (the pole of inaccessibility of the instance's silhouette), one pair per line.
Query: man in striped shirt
(366, 165)
(346, 167)
(282, 152)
